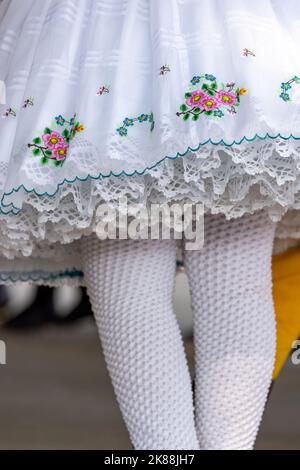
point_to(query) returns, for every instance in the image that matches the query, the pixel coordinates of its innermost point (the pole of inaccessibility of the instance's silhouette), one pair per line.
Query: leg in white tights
(130, 284)
(234, 329)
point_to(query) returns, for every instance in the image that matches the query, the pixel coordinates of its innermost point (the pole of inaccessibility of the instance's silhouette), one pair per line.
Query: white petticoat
(86, 72)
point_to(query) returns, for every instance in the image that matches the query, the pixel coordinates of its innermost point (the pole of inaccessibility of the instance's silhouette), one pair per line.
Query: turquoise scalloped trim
(38, 276)
(16, 210)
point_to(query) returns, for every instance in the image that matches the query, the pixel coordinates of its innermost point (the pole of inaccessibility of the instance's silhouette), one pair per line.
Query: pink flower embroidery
(196, 98)
(208, 103)
(53, 145)
(53, 140)
(207, 97)
(60, 151)
(226, 98)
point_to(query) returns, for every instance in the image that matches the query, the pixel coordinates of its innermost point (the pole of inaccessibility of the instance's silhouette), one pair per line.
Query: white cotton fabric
(60, 53)
(2, 92)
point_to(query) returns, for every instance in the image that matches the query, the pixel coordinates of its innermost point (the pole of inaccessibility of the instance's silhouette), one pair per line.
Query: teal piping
(35, 276)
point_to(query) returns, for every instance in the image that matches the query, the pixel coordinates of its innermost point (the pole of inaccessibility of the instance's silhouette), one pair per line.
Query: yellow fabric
(286, 292)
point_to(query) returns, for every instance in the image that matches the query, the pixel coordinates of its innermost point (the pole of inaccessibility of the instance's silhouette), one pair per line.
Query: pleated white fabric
(155, 100)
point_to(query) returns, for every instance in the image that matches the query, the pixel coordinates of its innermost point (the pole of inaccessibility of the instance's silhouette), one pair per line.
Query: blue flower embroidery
(285, 96)
(60, 120)
(195, 80)
(143, 118)
(287, 86)
(122, 131)
(218, 113)
(209, 77)
(128, 122)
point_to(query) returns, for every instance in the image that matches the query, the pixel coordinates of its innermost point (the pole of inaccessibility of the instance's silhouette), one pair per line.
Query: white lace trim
(232, 180)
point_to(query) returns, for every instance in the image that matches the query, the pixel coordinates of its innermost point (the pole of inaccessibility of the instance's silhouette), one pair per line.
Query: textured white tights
(234, 329)
(130, 284)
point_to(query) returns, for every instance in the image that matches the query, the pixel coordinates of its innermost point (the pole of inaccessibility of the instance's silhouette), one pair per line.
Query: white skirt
(154, 100)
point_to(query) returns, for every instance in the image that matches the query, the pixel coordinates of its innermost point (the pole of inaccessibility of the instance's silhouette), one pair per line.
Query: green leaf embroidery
(47, 130)
(37, 140)
(196, 117)
(44, 161)
(66, 133)
(197, 110)
(48, 153)
(186, 117)
(36, 152)
(183, 108)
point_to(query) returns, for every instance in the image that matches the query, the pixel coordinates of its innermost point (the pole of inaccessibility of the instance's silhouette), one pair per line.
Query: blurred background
(55, 390)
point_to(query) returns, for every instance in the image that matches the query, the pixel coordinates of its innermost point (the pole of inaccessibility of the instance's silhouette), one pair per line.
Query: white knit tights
(130, 284)
(234, 329)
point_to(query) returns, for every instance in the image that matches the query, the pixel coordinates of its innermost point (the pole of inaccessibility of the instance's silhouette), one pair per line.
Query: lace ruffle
(232, 180)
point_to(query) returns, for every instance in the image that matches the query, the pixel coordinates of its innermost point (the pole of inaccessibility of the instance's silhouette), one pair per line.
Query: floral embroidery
(247, 52)
(164, 69)
(9, 112)
(80, 128)
(129, 122)
(28, 102)
(207, 96)
(60, 120)
(211, 78)
(285, 86)
(13, 112)
(103, 90)
(54, 145)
